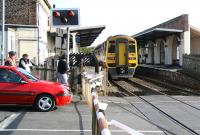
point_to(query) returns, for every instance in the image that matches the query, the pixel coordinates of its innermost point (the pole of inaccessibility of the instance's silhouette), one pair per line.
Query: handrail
(96, 78)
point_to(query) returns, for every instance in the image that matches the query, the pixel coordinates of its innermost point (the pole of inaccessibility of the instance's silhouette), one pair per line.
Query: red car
(17, 86)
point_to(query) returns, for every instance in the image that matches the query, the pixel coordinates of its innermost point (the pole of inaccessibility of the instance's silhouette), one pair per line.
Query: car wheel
(45, 103)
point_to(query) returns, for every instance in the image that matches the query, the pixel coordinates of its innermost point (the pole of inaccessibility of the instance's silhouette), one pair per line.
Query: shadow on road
(17, 108)
(11, 108)
(80, 118)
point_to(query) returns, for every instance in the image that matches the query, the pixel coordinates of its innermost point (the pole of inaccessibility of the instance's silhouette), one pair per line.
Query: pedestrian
(62, 71)
(25, 63)
(11, 60)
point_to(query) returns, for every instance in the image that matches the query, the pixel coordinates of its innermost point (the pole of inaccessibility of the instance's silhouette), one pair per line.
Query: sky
(130, 16)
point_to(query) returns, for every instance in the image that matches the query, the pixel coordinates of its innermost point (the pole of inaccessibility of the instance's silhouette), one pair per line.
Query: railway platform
(172, 74)
(162, 67)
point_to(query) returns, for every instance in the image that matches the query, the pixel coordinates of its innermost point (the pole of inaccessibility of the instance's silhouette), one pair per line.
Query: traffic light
(64, 17)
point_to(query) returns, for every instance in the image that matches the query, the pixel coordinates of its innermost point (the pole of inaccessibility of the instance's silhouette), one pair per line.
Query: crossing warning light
(65, 17)
(70, 13)
(56, 14)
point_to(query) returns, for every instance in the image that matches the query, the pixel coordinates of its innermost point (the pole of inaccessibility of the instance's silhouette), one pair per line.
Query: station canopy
(87, 35)
(155, 33)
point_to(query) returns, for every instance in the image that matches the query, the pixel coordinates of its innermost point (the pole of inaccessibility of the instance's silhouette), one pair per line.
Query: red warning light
(56, 14)
(70, 13)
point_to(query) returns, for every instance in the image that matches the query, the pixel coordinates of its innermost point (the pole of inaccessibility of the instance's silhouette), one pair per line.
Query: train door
(122, 54)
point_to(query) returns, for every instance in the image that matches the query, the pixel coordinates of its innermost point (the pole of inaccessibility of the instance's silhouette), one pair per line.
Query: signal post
(64, 19)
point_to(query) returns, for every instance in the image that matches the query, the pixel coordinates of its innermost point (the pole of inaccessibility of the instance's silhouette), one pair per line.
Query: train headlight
(111, 64)
(132, 64)
(131, 58)
(111, 58)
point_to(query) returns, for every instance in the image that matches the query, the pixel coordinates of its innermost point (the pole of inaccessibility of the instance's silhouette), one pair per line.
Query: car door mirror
(22, 82)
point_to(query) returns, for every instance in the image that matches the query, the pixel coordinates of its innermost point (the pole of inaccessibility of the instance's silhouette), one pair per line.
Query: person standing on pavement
(25, 63)
(61, 70)
(11, 60)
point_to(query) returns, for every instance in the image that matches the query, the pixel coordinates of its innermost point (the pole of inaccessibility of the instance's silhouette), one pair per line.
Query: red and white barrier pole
(100, 116)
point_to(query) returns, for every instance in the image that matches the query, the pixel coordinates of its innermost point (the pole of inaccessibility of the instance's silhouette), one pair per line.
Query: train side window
(104, 47)
(111, 49)
(132, 48)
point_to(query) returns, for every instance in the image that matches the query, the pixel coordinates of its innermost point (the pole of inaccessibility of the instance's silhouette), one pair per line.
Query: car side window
(8, 76)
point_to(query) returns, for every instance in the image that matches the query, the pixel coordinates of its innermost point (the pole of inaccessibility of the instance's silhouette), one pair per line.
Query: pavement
(75, 119)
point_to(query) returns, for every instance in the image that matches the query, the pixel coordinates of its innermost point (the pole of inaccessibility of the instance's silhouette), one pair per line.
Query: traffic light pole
(68, 45)
(3, 32)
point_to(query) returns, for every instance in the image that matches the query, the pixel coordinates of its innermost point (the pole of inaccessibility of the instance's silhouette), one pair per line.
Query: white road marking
(46, 130)
(9, 120)
(77, 130)
(118, 102)
(71, 130)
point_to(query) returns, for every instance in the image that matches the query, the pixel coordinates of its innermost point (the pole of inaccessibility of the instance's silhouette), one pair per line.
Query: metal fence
(44, 74)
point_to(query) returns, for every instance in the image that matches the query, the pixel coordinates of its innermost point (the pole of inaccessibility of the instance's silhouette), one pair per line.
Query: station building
(26, 29)
(167, 43)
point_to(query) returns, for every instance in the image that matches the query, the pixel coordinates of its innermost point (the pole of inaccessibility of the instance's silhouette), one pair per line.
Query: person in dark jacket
(11, 60)
(62, 70)
(25, 63)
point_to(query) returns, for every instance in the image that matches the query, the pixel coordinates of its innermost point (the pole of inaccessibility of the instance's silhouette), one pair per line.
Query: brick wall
(180, 22)
(177, 78)
(20, 12)
(191, 65)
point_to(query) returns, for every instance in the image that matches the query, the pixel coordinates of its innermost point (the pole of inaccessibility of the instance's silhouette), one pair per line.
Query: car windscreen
(27, 74)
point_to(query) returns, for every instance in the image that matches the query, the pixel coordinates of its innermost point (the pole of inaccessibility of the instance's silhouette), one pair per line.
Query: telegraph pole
(66, 36)
(3, 32)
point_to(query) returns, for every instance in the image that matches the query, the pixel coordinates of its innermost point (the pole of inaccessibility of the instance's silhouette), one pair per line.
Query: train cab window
(131, 48)
(111, 49)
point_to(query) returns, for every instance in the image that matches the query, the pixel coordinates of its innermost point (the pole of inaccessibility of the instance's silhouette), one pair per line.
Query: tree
(86, 49)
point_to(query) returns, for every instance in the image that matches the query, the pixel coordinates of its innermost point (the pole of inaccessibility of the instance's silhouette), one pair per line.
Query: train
(119, 55)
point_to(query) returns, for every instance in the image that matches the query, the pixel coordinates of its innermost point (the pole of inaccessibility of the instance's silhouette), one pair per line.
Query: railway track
(164, 91)
(131, 88)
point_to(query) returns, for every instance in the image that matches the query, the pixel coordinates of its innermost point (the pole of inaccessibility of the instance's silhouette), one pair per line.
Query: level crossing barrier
(100, 126)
